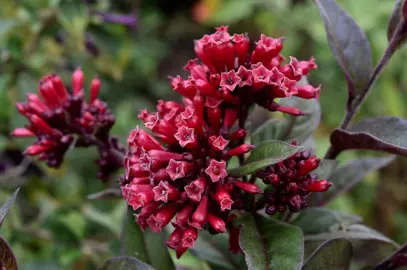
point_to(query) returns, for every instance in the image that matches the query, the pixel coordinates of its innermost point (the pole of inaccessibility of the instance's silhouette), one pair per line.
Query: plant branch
(392, 262)
(388, 53)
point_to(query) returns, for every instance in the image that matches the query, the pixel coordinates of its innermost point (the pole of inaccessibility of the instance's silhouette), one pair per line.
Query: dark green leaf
(348, 44)
(353, 232)
(299, 128)
(386, 134)
(349, 175)
(215, 250)
(7, 256)
(333, 254)
(146, 246)
(272, 129)
(107, 194)
(125, 263)
(315, 220)
(266, 153)
(7, 205)
(326, 168)
(270, 244)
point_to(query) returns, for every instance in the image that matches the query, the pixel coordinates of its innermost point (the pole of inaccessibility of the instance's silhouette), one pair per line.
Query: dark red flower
(291, 180)
(227, 71)
(61, 119)
(178, 170)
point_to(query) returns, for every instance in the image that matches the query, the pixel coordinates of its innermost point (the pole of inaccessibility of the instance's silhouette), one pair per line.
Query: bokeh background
(133, 45)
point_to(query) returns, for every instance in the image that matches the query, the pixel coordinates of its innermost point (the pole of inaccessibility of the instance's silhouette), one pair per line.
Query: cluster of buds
(61, 119)
(179, 173)
(229, 72)
(291, 180)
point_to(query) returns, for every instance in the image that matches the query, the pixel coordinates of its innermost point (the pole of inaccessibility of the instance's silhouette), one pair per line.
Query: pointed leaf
(348, 44)
(333, 254)
(266, 153)
(7, 205)
(7, 257)
(349, 175)
(325, 168)
(299, 128)
(270, 244)
(315, 220)
(386, 134)
(125, 263)
(146, 246)
(215, 250)
(353, 232)
(107, 194)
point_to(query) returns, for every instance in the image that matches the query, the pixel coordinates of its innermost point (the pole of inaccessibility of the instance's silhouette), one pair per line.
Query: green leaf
(353, 232)
(232, 11)
(7, 257)
(270, 244)
(266, 153)
(215, 250)
(125, 263)
(299, 128)
(6, 26)
(349, 175)
(7, 205)
(348, 44)
(75, 222)
(107, 194)
(333, 254)
(387, 134)
(146, 246)
(316, 220)
(325, 168)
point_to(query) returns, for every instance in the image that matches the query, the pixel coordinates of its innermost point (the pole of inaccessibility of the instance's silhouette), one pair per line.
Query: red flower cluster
(229, 72)
(292, 180)
(180, 173)
(57, 115)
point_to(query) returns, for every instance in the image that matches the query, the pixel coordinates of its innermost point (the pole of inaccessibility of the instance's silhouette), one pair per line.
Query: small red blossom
(178, 171)
(227, 71)
(57, 114)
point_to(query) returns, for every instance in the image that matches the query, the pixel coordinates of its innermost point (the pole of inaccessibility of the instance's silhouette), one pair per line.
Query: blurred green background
(54, 225)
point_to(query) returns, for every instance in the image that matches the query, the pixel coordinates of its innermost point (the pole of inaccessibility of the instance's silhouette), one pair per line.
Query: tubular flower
(60, 119)
(179, 175)
(227, 71)
(291, 181)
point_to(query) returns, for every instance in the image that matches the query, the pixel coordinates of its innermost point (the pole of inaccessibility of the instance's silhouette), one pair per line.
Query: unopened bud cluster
(291, 181)
(60, 119)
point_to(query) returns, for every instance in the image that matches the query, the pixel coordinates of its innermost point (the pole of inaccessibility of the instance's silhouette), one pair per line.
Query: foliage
(67, 219)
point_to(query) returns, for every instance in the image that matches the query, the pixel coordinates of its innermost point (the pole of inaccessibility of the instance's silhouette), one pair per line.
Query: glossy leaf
(7, 205)
(107, 194)
(266, 153)
(299, 128)
(7, 257)
(146, 246)
(315, 220)
(333, 254)
(349, 175)
(270, 244)
(215, 250)
(348, 44)
(386, 134)
(353, 232)
(125, 263)
(326, 168)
